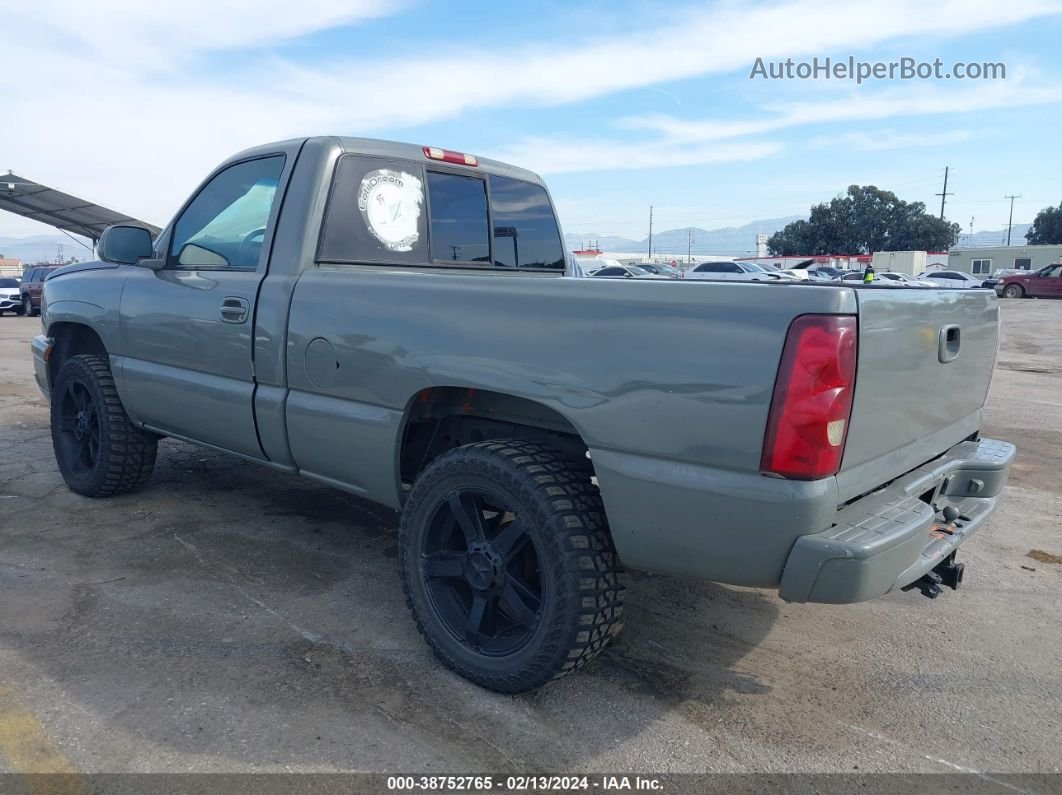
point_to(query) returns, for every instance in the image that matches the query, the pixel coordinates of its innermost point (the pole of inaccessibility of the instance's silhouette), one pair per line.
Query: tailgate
(926, 359)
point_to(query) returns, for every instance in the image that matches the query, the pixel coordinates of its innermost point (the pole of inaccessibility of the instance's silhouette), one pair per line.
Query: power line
(1010, 221)
(650, 231)
(944, 194)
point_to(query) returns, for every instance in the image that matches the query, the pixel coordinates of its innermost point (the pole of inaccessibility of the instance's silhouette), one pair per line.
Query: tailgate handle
(948, 343)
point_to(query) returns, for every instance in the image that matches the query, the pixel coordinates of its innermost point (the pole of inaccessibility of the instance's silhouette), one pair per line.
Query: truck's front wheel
(508, 566)
(99, 451)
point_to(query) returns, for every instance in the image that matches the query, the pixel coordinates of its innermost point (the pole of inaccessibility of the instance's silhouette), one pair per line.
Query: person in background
(868, 274)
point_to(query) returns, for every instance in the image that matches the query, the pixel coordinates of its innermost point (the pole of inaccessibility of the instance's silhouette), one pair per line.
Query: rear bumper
(41, 347)
(890, 538)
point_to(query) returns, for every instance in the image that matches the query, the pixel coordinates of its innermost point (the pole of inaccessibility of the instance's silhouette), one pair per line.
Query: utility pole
(650, 231)
(1010, 221)
(944, 194)
(689, 246)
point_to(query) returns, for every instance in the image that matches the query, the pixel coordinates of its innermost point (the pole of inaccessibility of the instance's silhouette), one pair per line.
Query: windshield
(753, 266)
(640, 269)
(8, 282)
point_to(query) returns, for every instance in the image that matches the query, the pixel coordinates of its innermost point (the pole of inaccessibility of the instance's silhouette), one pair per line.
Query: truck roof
(398, 149)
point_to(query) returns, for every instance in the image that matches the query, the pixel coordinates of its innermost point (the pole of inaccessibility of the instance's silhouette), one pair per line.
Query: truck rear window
(525, 229)
(459, 231)
(379, 208)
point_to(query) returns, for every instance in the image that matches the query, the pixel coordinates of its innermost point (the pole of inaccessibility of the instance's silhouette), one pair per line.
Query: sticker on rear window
(390, 202)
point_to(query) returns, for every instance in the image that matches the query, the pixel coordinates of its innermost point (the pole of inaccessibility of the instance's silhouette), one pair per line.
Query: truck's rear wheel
(99, 451)
(508, 566)
(1013, 291)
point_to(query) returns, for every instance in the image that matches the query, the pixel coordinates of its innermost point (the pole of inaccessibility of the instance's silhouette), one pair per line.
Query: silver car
(626, 272)
(727, 270)
(904, 279)
(956, 280)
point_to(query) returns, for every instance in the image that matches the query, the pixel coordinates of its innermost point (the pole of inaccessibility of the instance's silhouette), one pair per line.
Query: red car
(1044, 283)
(32, 284)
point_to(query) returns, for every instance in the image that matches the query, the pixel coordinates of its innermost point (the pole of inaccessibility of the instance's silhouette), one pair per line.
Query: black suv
(32, 284)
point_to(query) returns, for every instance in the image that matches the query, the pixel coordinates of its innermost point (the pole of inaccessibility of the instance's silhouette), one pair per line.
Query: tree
(1046, 229)
(864, 220)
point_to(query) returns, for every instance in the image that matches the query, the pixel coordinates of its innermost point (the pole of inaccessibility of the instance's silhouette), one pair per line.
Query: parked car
(952, 279)
(1044, 283)
(805, 275)
(627, 272)
(858, 277)
(904, 279)
(661, 269)
(452, 376)
(10, 296)
(727, 270)
(32, 283)
(997, 276)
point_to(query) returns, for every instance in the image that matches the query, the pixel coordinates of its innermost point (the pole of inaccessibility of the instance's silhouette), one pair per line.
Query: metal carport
(30, 199)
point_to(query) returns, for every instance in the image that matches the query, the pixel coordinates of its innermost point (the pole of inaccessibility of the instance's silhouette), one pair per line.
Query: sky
(619, 104)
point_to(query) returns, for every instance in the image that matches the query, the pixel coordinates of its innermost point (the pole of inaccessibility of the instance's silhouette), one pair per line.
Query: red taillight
(812, 401)
(448, 156)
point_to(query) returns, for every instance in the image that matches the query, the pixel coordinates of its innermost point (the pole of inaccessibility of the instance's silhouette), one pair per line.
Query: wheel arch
(440, 418)
(72, 338)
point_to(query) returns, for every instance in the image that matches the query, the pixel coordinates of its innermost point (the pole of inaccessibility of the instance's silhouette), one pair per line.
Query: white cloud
(690, 141)
(156, 34)
(549, 156)
(883, 140)
(857, 105)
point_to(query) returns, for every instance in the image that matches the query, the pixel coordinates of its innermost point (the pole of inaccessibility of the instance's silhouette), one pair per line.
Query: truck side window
(459, 230)
(225, 224)
(525, 228)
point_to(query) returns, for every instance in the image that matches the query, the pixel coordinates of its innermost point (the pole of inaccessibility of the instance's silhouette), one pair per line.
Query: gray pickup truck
(394, 321)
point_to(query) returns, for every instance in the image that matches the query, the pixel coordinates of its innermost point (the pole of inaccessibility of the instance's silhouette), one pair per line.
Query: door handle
(948, 343)
(234, 309)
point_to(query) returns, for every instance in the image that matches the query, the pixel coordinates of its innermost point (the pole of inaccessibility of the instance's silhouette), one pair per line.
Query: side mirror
(126, 245)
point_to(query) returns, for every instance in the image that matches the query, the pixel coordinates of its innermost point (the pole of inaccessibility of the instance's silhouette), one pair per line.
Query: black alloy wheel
(507, 563)
(483, 572)
(78, 428)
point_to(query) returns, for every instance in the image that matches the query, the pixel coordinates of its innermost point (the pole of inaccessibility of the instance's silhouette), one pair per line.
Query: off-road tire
(27, 307)
(126, 453)
(1013, 291)
(582, 606)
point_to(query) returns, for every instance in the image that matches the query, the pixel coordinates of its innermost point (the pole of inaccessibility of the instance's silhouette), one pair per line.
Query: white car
(726, 270)
(952, 279)
(805, 275)
(886, 279)
(904, 279)
(10, 297)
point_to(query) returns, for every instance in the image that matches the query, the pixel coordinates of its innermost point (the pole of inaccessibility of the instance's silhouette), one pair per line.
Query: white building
(986, 260)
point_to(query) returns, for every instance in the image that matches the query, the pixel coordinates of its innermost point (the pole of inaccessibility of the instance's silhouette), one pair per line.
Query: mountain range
(42, 248)
(727, 240)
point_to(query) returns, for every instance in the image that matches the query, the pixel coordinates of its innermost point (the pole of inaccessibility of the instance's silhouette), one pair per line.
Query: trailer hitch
(947, 573)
